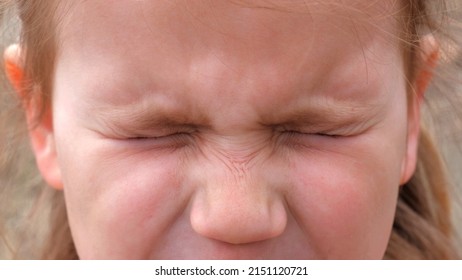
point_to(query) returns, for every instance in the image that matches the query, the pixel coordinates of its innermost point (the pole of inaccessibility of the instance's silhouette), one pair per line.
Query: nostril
(240, 221)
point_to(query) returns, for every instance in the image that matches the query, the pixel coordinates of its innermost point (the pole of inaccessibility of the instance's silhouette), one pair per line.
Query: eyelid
(307, 131)
(170, 141)
(165, 138)
(334, 130)
(323, 134)
(128, 132)
(144, 137)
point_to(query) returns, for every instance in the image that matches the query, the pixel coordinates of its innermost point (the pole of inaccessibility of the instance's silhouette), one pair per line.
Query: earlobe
(41, 131)
(430, 53)
(413, 130)
(43, 145)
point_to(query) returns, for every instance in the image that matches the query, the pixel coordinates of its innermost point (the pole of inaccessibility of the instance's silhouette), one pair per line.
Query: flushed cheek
(345, 207)
(119, 207)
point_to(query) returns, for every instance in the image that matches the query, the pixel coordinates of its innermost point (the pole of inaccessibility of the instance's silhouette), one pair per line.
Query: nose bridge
(234, 203)
(238, 165)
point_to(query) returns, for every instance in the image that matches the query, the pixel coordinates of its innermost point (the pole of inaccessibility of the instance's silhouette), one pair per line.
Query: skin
(223, 130)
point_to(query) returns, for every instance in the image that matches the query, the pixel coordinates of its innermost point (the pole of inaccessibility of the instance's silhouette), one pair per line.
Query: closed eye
(301, 133)
(172, 140)
(158, 137)
(311, 140)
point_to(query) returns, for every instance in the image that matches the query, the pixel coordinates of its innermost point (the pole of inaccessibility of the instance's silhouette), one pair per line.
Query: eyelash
(298, 139)
(299, 133)
(173, 140)
(178, 140)
(181, 135)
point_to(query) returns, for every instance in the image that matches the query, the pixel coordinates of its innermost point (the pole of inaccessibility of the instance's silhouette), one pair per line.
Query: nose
(237, 206)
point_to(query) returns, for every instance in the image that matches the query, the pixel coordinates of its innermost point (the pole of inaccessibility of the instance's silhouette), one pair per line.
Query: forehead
(229, 24)
(269, 43)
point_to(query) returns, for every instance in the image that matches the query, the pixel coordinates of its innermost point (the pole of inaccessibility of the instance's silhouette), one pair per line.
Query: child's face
(218, 130)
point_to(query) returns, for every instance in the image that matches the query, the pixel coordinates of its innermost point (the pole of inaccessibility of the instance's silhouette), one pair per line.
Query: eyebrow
(132, 120)
(318, 112)
(123, 121)
(325, 117)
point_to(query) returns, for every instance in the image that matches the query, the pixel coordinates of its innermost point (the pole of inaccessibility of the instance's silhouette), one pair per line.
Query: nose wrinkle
(237, 163)
(235, 203)
(240, 167)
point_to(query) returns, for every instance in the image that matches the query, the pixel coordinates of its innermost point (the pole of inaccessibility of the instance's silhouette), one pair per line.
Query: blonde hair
(422, 229)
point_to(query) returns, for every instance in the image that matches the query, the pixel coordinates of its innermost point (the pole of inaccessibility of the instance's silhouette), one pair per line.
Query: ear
(41, 130)
(430, 55)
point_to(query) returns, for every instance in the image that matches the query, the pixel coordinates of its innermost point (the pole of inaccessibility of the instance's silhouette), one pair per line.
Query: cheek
(345, 203)
(116, 198)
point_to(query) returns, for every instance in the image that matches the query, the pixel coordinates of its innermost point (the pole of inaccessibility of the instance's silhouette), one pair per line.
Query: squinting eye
(328, 135)
(173, 140)
(300, 139)
(299, 133)
(153, 138)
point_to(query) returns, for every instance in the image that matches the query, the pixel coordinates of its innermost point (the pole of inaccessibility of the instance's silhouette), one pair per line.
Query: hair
(423, 226)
